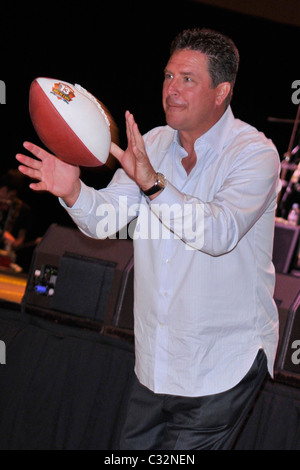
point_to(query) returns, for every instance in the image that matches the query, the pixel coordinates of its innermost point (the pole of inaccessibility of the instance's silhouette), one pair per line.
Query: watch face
(161, 180)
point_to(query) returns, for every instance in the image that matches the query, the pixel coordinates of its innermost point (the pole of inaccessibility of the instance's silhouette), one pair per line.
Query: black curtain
(61, 387)
(274, 423)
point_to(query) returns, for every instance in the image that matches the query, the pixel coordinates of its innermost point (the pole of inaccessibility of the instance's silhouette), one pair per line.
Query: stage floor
(12, 286)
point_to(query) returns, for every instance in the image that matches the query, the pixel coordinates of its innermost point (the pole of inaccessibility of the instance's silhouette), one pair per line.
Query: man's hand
(134, 159)
(52, 174)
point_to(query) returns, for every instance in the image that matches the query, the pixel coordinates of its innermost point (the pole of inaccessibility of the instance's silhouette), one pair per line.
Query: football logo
(63, 92)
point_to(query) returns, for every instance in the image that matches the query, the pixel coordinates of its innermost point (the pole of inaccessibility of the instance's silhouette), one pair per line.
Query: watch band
(159, 185)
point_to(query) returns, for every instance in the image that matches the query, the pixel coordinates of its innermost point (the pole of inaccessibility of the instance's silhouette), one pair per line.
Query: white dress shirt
(204, 278)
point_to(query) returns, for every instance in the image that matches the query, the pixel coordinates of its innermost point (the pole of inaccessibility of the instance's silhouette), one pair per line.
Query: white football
(70, 121)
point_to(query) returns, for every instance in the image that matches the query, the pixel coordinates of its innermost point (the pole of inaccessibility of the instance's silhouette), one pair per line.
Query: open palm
(51, 174)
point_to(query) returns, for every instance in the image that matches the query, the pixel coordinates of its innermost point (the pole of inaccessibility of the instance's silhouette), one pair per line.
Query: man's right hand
(52, 174)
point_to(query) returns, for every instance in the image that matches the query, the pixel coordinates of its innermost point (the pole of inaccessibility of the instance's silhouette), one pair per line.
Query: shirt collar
(217, 135)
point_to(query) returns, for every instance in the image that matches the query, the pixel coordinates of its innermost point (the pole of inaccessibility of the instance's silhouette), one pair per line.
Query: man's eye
(187, 79)
(168, 76)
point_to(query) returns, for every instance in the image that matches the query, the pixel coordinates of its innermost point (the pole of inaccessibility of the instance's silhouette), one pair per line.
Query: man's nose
(173, 87)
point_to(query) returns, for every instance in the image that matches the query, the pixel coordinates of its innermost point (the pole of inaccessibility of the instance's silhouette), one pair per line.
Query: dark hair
(223, 56)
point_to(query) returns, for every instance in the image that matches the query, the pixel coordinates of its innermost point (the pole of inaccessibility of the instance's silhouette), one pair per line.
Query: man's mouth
(173, 105)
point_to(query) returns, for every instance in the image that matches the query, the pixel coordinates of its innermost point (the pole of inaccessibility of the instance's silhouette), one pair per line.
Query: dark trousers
(165, 422)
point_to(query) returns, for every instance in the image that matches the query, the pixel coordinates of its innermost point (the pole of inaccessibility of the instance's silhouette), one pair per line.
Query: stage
(66, 380)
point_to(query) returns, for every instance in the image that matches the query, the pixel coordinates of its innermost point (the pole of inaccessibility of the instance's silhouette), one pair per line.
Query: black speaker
(286, 245)
(77, 279)
(287, 298)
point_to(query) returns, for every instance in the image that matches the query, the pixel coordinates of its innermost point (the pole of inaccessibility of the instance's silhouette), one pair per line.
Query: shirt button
(167, 261)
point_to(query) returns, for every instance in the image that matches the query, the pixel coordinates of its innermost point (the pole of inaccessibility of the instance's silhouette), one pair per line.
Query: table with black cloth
(62, 387)
(66, 387)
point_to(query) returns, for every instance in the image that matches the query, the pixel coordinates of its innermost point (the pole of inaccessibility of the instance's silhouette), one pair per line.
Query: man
(204, 188)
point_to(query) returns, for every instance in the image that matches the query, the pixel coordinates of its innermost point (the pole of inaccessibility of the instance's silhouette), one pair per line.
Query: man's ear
(223, 90)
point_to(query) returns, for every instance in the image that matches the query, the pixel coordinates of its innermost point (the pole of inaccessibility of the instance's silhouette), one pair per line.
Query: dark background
(118, 51)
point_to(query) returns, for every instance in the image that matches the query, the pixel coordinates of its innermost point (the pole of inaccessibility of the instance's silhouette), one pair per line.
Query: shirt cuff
(83, 204)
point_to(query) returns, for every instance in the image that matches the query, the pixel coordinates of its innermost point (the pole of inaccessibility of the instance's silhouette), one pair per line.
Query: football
(70, 121)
